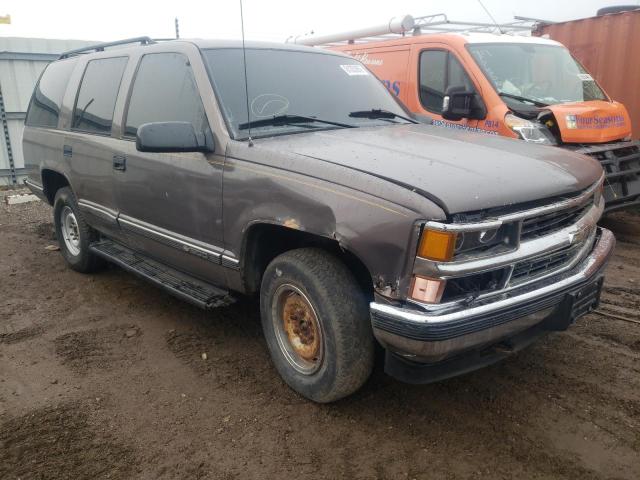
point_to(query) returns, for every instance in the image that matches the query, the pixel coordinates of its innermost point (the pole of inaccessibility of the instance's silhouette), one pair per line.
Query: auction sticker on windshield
(354, 70)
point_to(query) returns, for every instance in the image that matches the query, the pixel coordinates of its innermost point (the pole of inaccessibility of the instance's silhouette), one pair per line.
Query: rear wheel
(315, 319)
(73, 233)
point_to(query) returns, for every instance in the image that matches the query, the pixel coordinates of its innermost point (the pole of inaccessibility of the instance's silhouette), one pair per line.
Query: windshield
(297, 84)
(534, 73)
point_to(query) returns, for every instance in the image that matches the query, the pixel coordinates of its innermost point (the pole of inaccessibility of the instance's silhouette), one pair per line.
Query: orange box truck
(524, 87)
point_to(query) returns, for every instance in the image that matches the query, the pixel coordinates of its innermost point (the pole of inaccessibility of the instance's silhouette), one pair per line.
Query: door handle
(120, 162)
(67, 151)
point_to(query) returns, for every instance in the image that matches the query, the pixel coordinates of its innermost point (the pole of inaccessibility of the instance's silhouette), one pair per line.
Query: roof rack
(99, 47)
(399, 27)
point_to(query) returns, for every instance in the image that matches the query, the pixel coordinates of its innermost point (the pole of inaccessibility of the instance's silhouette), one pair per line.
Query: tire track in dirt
(109, 347)
(60, 443)
(21, 335)
(232, 344)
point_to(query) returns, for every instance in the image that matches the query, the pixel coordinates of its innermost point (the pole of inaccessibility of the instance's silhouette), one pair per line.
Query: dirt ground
(103, 376)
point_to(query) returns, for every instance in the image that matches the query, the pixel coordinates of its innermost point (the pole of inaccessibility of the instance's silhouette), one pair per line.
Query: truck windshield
(535, 73)
(287, 83)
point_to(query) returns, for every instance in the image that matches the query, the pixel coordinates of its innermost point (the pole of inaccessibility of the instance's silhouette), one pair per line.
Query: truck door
(439, 69)
(170, 203)
(89, 144)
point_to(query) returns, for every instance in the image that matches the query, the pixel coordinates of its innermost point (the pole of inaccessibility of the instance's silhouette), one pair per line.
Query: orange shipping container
(609, 47)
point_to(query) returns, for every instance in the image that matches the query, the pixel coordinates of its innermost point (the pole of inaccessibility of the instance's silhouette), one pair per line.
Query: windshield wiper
(278, 120)
(379, 113)
(523, 99)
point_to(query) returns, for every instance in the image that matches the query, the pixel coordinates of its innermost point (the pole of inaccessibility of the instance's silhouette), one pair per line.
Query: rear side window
(440, 70)
(164, 91)
(44, 109)
(96, 100)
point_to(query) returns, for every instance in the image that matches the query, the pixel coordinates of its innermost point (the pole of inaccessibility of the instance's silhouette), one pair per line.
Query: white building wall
(21, 63)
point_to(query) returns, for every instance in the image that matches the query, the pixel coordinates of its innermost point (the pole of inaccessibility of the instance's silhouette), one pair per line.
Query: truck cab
(528, 88)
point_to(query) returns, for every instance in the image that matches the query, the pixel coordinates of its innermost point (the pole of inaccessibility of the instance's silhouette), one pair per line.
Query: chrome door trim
(189, 245)
(33, 185)
(98, 210)
(206, 251)
(230, 262)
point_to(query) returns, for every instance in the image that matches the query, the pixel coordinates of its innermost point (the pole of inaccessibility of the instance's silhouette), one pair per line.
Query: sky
(272, 20)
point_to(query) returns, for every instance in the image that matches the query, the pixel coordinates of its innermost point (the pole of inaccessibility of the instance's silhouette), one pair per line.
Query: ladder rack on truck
(399, 27)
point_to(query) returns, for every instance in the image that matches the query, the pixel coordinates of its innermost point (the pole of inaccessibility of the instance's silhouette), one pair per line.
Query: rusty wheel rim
(298, 330)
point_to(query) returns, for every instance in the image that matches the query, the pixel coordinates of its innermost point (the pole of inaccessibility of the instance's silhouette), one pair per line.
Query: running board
(181, 285)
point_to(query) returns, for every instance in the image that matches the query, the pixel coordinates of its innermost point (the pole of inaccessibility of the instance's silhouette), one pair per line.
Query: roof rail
(99, 47)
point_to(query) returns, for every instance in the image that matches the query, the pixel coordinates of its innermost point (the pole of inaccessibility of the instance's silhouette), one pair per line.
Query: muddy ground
(102, 376)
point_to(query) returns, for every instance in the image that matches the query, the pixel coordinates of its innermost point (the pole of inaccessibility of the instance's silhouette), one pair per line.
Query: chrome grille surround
(553, 239)
(551, 222)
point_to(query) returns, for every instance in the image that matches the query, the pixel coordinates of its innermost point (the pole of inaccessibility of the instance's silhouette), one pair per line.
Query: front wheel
(315, 318)
(73, 233)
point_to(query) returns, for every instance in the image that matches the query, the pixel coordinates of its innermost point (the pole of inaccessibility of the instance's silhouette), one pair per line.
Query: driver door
(439, 69)
(170, 203)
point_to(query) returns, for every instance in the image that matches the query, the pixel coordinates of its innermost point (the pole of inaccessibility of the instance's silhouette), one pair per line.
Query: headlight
(444, 246)
(478, 241)
(529, 131)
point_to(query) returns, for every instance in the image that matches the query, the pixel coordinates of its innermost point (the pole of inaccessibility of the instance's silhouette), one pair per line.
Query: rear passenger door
(170, 203)
(89, 145)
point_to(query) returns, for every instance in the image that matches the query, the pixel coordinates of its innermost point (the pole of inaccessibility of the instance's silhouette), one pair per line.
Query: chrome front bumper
(428, 337)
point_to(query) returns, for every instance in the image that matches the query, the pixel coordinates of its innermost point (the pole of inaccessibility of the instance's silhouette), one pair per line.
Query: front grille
(621, 164)
(530, 269)
(474, 284)
(552, 222)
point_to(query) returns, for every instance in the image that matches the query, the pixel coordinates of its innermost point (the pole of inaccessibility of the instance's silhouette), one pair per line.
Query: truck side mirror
(171, 137)
(459, 103)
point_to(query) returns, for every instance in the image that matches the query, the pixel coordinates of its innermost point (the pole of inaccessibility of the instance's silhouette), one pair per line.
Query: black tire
(83, 260)
(342, 311)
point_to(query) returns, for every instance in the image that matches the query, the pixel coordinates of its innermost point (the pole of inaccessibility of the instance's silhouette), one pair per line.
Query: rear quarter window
(96, 100)
(46, 100)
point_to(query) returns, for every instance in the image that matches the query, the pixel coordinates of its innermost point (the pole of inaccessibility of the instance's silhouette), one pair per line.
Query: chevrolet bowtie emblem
(580, 234)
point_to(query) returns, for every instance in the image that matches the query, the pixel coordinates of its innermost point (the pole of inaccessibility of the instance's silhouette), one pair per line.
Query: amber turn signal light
(435, 245)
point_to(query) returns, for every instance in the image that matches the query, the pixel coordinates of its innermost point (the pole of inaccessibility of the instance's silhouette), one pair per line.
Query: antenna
(177, 29)
(490, 16)
(246, 82)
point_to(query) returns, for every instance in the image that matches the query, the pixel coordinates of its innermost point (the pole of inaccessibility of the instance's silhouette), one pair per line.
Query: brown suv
(318, 191)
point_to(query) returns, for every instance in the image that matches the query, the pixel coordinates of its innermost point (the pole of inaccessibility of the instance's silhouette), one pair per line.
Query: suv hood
(458, 170)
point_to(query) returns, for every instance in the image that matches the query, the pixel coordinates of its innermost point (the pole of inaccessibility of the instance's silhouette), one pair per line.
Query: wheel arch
(263, 241)
(52, 181)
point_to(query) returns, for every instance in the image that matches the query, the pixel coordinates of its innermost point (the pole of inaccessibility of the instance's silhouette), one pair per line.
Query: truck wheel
(73, 233)
(315, 318)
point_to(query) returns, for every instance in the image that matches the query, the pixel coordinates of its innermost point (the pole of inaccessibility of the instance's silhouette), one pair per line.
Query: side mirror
(172, 137)
(456, 103)
(459, 103)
